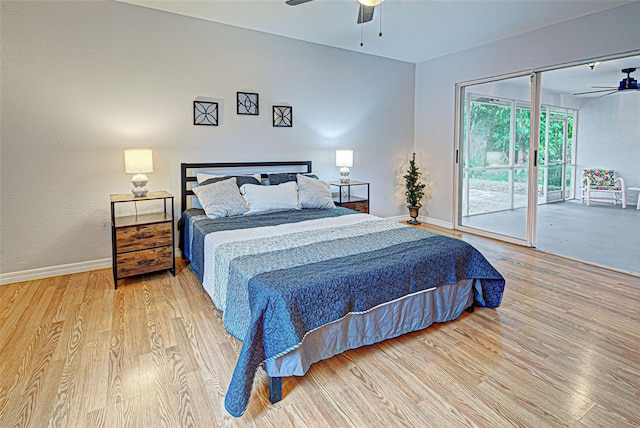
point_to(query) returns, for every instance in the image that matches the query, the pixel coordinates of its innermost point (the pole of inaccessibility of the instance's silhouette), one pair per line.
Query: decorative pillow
(221, 199)
(283, 177)
(313, 193)
(204, 176)
(195, 202)
(209, 178)
(271, 198)
(600, 177)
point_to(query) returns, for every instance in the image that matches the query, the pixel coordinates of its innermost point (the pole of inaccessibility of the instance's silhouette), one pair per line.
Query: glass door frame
(568, 152)
(532, 184)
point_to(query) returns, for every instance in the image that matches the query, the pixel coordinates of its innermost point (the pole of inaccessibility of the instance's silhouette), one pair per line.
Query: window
(495, 155)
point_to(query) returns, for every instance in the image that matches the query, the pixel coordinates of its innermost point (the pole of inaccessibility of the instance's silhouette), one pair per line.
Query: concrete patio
(601, 233)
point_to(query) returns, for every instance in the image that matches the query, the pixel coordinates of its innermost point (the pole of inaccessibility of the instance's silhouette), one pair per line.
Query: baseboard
(47, 272)
(428, 220)
(436, 222)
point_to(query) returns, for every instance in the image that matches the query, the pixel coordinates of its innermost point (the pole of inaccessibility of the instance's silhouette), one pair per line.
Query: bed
(299, 285)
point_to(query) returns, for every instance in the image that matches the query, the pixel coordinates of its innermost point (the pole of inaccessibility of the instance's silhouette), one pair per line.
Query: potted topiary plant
(415, 190)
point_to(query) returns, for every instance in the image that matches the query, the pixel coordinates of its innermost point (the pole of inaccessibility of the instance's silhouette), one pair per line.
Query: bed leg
(471, 308)
(275, 389)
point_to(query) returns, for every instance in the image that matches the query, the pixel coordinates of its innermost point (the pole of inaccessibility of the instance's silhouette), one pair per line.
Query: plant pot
(413, 213)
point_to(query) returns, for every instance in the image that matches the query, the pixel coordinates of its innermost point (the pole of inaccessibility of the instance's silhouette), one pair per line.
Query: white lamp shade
(344, 158)
(138, 161)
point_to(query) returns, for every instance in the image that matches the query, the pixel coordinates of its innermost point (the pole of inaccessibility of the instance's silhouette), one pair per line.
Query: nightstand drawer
(141, 237)
(137, 262)
(362, 206)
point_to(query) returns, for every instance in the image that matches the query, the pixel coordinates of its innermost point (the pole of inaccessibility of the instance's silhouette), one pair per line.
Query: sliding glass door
(500, 183)
(520, 149)
(494, 157)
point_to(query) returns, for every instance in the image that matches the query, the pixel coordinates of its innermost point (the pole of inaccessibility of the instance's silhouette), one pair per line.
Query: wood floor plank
(94, 368)
(24, 403)
(30, 318)
(560, 351)
(117, 359)
(63, 406)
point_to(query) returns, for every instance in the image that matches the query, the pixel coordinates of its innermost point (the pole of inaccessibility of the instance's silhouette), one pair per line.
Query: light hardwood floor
(562, 350)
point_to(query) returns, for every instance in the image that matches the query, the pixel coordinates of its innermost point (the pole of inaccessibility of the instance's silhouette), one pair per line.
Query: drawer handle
(145, 262)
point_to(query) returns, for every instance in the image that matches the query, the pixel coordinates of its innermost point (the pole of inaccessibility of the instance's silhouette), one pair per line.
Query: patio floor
(601, 233)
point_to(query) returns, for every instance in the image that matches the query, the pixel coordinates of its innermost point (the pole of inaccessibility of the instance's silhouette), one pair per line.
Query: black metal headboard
(189, 170)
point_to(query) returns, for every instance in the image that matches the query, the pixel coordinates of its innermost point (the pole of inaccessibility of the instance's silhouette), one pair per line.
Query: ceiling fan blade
(296, 2)
(365, 14)
(593, 92)
(610, 92)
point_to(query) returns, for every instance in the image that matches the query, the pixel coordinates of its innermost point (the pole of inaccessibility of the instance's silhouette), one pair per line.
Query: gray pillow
(313, 193)
(240, 180)
(221, 199)
(283, 177)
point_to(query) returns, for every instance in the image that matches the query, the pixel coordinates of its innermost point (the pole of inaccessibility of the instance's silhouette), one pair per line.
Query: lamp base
(139, 182)
(139, 192)
(344, 175)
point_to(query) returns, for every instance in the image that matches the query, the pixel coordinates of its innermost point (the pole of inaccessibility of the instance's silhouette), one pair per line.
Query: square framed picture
(282, 116)
(247, 103)
(205, 113)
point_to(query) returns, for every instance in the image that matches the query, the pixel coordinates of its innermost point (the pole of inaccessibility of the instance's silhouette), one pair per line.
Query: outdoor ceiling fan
(626, 84)
(365, 14)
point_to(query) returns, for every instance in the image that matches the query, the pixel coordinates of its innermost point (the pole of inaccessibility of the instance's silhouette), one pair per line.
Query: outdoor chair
(601, 184)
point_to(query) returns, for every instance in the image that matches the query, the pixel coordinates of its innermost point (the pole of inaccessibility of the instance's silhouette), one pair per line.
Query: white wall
(82, 81)
(609, 137)
(607, 33)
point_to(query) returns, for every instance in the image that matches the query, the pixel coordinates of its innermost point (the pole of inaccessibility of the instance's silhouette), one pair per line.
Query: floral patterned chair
(601, 184)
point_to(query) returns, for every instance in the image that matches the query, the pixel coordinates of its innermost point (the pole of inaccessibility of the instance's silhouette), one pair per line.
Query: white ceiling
(413, 30)
(582, 78)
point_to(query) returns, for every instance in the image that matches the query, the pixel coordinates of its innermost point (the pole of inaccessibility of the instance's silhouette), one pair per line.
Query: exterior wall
(609, 137)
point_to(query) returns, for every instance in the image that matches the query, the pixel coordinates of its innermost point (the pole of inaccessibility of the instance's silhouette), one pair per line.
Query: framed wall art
(282, 116)
(205, 113)
(247, 103)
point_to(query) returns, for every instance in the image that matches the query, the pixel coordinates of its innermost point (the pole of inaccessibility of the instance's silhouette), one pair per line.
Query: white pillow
(221, 199)
(195, 203)
(271, 198)
(204, 176)
(313, 193)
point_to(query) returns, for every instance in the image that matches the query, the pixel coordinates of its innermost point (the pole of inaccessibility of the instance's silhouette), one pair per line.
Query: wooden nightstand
(345, 199)
(142, 243)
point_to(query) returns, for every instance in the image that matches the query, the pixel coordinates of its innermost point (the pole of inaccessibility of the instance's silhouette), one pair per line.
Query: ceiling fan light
(370, 2)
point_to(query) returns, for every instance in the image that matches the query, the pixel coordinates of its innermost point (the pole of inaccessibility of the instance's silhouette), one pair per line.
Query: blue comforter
(194, 249)
(286, 303)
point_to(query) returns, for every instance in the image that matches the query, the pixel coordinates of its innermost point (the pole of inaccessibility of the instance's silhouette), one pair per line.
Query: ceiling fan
(365, 14)
(626, 84)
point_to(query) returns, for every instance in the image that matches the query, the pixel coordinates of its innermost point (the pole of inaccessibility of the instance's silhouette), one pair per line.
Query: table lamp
(138, 162)
(344, 159)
